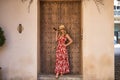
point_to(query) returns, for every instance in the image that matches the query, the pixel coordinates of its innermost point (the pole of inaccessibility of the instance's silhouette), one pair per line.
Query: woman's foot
(57, 75)
(61, 74)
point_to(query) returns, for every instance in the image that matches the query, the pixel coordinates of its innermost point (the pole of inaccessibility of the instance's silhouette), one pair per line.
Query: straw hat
(61, 27)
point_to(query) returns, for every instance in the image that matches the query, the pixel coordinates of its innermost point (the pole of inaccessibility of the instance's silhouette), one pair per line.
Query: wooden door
(53, 14)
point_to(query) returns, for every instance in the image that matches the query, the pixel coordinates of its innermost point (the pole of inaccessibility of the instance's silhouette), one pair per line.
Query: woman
(62, 63)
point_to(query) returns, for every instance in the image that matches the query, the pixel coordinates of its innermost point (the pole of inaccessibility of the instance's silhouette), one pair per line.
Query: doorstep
(64, 77)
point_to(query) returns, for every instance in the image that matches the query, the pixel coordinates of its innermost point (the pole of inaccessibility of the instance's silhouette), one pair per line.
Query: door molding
(80, 29)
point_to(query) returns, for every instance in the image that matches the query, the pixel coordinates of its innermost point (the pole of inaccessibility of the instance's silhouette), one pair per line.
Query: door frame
(38, 35)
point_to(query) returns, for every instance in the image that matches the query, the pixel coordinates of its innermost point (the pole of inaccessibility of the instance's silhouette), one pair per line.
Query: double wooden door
(53, 14)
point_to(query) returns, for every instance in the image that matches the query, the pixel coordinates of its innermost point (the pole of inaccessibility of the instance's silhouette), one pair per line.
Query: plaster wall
(18, 57)
(98, 47)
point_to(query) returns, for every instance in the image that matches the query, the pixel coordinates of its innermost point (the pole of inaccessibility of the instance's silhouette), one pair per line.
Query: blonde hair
(60, 33)
(61, 27)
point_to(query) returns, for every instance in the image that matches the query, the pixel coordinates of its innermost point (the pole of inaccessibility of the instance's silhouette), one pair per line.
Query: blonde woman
(62, 62)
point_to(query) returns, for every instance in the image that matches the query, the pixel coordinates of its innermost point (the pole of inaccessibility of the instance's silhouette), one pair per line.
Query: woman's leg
(61, 73)
(57, 74)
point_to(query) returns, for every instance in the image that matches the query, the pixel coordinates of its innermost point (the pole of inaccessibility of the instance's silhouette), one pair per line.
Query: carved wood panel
(53, 14)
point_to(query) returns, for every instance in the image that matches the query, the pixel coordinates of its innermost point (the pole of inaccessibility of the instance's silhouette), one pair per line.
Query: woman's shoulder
(66, 34)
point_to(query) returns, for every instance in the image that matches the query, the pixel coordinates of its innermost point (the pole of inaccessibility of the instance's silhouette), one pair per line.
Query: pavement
(117, 61)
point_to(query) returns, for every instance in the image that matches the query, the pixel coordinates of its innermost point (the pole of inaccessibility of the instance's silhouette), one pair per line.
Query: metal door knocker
(20, 28)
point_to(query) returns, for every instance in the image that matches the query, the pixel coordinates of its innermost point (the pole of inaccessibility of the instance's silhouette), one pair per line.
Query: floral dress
(62, 63)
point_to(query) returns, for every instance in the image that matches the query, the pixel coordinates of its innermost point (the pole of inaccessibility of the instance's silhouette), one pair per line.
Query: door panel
(53, 14)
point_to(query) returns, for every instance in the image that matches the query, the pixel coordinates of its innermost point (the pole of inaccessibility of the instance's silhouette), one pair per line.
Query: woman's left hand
(65, 45)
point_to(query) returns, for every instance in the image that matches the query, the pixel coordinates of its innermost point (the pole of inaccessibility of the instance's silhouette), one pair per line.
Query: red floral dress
(62, 63)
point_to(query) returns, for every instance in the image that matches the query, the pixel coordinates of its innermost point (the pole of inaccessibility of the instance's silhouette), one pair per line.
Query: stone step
(64, 77)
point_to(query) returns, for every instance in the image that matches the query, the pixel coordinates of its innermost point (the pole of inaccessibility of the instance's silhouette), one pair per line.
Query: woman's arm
(56, 35)
(70, 40)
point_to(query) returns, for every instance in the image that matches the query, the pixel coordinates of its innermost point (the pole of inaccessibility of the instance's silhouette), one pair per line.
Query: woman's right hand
(54, 29)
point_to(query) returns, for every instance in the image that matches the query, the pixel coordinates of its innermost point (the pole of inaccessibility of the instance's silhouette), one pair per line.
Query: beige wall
(98, 48)
(18, 57)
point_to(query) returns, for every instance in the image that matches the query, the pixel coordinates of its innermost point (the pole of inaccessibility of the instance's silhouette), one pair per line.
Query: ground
(117, 61)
